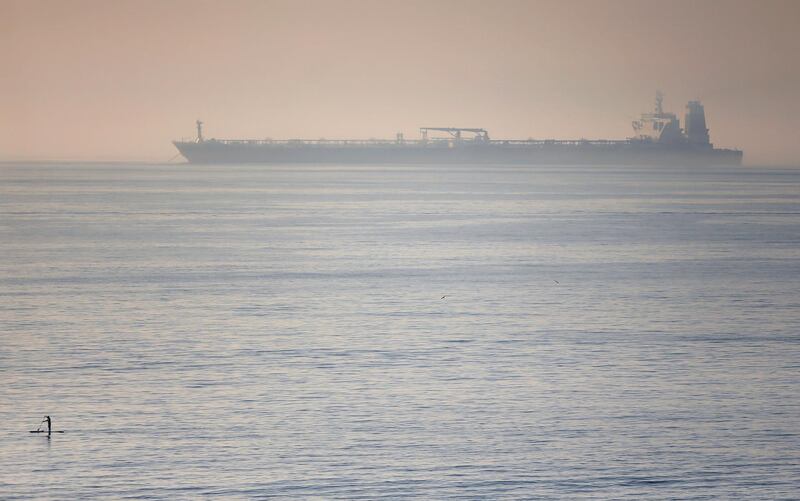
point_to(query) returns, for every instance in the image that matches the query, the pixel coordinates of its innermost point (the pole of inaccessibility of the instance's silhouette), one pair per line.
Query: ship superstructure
(658, 139)
(658, 126)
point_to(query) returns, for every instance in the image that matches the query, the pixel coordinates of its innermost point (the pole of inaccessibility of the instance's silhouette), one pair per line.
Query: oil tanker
(658, 139)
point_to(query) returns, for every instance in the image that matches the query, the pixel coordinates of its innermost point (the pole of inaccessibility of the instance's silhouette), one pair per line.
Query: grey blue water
(360, 332)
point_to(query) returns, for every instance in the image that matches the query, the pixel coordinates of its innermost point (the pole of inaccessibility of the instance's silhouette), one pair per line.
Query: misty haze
(119, 80)
(399, 250)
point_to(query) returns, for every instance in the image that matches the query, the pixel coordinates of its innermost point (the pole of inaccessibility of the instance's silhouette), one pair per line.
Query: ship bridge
(659, 127)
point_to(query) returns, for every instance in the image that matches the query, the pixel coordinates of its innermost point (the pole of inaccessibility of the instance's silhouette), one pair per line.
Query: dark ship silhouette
(659, 140)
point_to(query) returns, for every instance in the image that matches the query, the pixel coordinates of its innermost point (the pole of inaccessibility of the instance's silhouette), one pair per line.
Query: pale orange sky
(119, 79)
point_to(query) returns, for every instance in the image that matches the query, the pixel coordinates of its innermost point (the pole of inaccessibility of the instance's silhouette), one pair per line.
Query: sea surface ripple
(364, 332)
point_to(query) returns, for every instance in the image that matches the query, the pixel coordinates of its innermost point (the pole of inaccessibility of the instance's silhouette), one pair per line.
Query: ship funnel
(695, 123)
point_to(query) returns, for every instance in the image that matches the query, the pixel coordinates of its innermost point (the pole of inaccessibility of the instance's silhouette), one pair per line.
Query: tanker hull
(622, 153)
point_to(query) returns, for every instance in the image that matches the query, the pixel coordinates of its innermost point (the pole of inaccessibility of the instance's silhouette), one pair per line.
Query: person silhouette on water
(49, 424)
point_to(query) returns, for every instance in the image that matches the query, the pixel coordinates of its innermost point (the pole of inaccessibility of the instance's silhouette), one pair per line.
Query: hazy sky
(118, 79)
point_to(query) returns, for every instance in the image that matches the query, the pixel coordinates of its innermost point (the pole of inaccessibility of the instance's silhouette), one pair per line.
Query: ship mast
(199, 131)
(659, 100)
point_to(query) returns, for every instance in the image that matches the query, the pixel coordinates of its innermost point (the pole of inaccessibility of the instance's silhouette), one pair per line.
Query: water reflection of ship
(658, 140)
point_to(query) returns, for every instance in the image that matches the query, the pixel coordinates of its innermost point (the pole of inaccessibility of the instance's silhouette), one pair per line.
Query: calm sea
(360, 332)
